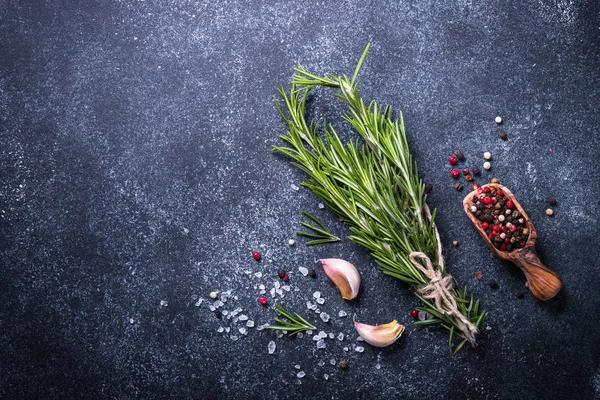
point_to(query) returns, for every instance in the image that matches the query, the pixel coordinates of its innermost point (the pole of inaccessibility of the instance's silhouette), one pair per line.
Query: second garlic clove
(344, 275)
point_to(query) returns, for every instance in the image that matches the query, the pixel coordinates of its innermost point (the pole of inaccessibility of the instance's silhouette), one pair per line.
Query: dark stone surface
(136, 168)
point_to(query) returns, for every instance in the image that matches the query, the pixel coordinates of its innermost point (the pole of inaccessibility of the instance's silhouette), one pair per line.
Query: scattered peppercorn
(493, 284)
(256, 255)
(498, 120)
(414, 313)
(465, 171)
(455, 243)
(478, 275)
(312, 273)
(487, 155)
(213, 295)
(551, 200)
(281, 273)
(475, 186)
(343, 364)
(495, 180)
(218, 313)
(455, 173)
(519, 294)
(452, 160)
(469, 178)
(428, 187)
(503, 135)
(291, 242)
(263, 300)
(459, 155)
(458, 186)
(549, 212)
(487, 165)
(476, 171)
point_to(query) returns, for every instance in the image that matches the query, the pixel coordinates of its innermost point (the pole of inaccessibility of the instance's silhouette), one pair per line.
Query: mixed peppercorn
(504, 225)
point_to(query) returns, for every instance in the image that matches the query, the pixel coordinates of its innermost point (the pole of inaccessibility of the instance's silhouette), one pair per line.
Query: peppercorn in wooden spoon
(510, 235)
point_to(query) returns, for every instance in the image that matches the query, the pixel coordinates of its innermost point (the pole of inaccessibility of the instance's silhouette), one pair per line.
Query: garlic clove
(344, 275)
(379, 335)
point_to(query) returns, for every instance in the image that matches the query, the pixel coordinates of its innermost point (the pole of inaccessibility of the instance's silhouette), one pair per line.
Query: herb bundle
(373, 185)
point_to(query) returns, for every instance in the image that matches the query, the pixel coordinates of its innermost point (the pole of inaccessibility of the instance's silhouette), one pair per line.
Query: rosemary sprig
(296, 323)
(374, 185)
(321, 233)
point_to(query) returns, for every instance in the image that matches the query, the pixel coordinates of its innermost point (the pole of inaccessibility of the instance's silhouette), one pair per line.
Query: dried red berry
(475, 186)
(452, 160)
(486, 189)
(485, 225)
(465, 171)
(510, 204)
(499, 193)
(414, 313)
(503, 247)
(487, 200)
(256, 255)
(495, 228)
(455, 173)
(263, 300)
(286, 277)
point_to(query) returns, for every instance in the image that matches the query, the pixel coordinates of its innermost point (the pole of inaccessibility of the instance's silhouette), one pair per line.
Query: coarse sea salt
(324, 316)
(321, 344)
(271, 347)
(303, 271)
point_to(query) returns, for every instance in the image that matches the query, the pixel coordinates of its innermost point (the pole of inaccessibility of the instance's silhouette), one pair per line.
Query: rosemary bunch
(372, 184)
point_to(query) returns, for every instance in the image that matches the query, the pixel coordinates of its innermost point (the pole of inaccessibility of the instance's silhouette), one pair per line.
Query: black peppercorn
(469, 178)
(493, 284)
(459, 155)
(281, 273)
(458, 186)
(428, 187)
(218, 313)
(312, 273)
(552, 200)
(519, 294)
(503, 135)
(476, 171)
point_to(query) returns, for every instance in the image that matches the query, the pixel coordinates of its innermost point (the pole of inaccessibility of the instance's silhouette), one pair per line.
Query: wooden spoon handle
(543, 283)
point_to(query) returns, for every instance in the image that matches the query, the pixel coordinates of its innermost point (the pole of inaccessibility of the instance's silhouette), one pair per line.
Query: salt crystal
(300, 335)
(321, 363)
(303, 271)
(198, 303)
(322, 334)
(317, 310)
(277, 284)
(332, 362)
(321, 205)
(340, 336)
(309, 332)
(294, 187)
(260, 328)
(234, 337)
(321, 344)
(297, 366)
(326, 376)
(325, 317)
(360, 339)
(377, 366)
(320, 300)
(273, 292)
(488, 328)
(243, 317)
(342, 313)
(316, 338)
(309, 305)
(218, 303)
(211, 307)
(331, 335)
(317, 294)
(269, 253)
(279, 292)
(346, 348)
(227, 330)
(250, 324)
(221, 329)
(258, 274)
(165, 303)
(286, 288)
(262, 291)
(225, 312)
(278, 334)
(422, 316)
(301, 374)
(359, 349)
(271, 347)
(261, 286)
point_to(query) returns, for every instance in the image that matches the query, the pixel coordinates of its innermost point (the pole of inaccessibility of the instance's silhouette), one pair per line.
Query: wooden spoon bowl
(543, 283)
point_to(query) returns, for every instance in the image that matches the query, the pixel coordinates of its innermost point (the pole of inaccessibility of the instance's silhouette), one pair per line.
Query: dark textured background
(136, 168)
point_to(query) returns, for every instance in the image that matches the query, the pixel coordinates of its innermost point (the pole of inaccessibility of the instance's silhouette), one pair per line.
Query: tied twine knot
(439, 288)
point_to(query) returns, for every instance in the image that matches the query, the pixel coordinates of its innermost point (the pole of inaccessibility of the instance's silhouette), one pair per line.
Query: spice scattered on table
(452, 160)
(312, 273)
(414, 313)
(455, 243)
(291, 242)
(263, 300)
(476, 171)
(459, 155)
(256, 255)
(503, 136)
(218, 313)
(213, 295)
(495, 180)
(493, 284)
(487, 155)
(343, 364)
(519, 294)
(455, 173)
(487, 165)
(498, 120)
(478, 275)
(469, 178)
(551, 200)
(549, 212)
(458, 186)
(508, 233)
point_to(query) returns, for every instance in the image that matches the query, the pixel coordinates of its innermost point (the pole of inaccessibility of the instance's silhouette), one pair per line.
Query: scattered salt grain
(260, 328)
(316, 338)
(332, 362)
(211, 307)
(322, 334)
(271, 347)
(198, 303)
(277, 284)
(243, 317)
(258, 274)
(297, 366)
(165, 303)
(377, 366)
(342, 313)
(221, 329)
(359, 349)
(301, 374)
(317, 294)
(234, 337)
(250, 324)
(360, 339)
(321, 205)
(321, 344)
(243, 331)
(286, 288)
(340, 336)
(321, 363)
(321, 300)
(422, 316)
(294, 187)
(326, 376)
(310, 305)
(331, 335)
(225, 312)
(346, 348)
(273, 292)
(309, 332)
(324, 316)
(300, 335)
(303, 271)
(227, 330)
(218, 303)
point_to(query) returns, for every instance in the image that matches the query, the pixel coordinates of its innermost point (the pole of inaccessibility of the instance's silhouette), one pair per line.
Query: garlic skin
(379, 335)
(344, 275)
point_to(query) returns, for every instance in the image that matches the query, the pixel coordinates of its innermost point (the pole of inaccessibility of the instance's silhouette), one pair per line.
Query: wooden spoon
(543, 283)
